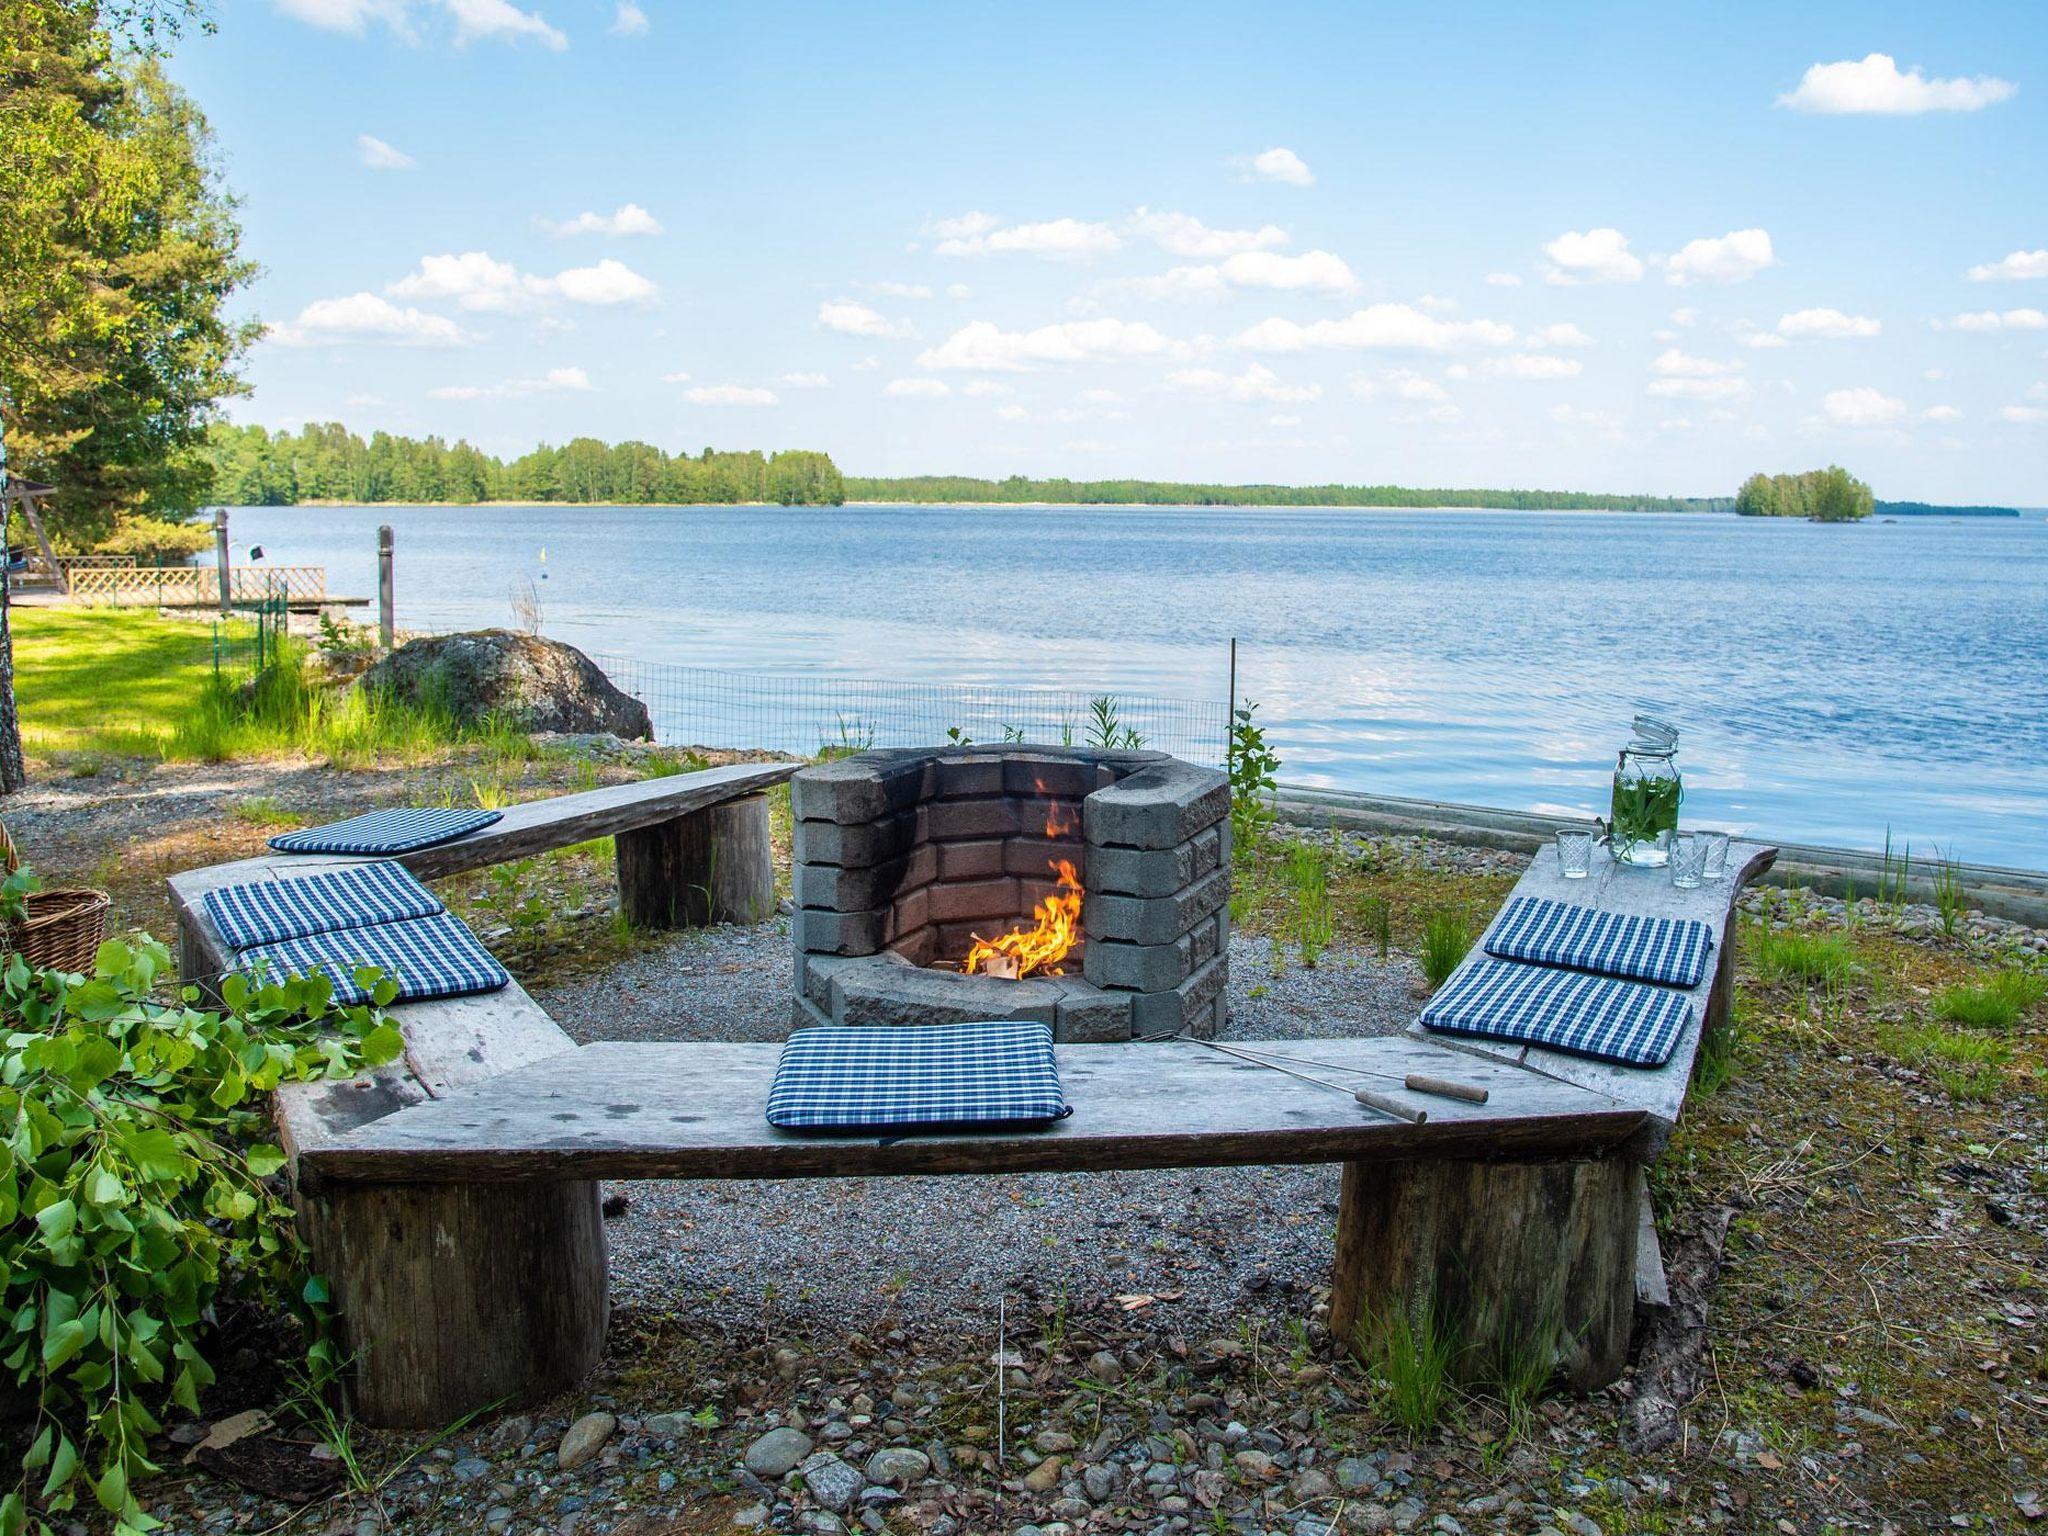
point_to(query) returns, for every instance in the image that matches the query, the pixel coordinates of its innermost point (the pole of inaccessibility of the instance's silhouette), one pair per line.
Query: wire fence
(803, 714)
(249, 640)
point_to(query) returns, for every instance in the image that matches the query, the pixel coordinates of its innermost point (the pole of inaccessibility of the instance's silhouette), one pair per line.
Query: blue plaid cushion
(399, 831)
(844, 1078)
(1621, 1021)
(264, 911)
(428, 957)
(1671, 950)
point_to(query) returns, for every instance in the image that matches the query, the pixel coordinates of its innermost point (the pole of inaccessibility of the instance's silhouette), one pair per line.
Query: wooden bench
(453, 1204)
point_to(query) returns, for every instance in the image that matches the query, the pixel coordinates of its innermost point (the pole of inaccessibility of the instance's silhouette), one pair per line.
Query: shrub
(1446, 937)
(135, 1195)
(1253, 765)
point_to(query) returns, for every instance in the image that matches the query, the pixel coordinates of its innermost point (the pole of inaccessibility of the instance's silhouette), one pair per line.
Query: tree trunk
(13, 771)
(454, 1297)
(711, 866)
(1497, 1259)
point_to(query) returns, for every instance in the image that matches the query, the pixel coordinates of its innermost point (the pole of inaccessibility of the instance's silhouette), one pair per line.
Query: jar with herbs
(1643, 814)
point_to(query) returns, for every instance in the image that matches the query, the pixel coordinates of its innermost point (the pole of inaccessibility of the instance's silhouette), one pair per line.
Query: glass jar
(1643, 814)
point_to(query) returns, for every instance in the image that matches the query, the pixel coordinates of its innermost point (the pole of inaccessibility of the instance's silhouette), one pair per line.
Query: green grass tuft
(1446, 938)
(1789, 954)
(1994, 1004)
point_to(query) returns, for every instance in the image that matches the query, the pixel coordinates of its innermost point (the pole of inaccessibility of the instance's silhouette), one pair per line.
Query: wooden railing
(194, 586)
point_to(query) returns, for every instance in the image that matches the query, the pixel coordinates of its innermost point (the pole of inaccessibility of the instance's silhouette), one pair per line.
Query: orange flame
(1038, 950)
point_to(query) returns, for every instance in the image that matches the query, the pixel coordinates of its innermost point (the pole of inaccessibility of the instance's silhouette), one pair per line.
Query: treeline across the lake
(1172, 493)
(324, 461)
(1830, 495)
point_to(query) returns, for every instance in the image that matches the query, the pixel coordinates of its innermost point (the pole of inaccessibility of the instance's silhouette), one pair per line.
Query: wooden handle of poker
(1391, 1106)
(1443, 1088)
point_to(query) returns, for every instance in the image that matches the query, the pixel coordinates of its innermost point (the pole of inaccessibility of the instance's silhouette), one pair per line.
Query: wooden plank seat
(452, 1202)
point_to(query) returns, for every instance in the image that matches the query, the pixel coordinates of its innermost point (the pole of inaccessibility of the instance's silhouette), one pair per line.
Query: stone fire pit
(904, 858)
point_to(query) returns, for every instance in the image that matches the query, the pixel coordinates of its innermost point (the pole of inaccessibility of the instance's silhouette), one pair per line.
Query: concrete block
(1154, 919)
(1034, 857)
(1090, 1017)
(909, 913)
(1028, 774)
(805, 1014)
(836, 888)
(852, 790)
(918, 946)
(1191, 1005)
(959, 777)
(956, 820)
(840, 933)
(892, 995)
(1158, 806)
(967, 900)
(969, 861)
(875, 842)
(1137, 967)
(1154, 871)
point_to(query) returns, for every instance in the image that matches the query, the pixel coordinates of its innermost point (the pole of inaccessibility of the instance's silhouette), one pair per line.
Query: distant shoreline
(1883, 509)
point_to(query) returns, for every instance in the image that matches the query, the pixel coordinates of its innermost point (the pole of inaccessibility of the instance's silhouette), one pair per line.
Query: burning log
(1039, 949)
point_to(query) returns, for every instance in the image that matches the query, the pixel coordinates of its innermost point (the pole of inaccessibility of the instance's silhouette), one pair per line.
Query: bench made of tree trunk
(532, 1262)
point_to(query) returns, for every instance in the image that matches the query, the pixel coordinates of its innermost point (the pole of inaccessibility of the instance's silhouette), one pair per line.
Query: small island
(1830, 495)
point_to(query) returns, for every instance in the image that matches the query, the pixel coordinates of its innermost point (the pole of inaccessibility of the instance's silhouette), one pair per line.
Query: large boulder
(536, 684)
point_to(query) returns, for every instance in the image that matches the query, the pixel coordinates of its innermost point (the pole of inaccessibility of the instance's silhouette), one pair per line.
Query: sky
(1593, 247)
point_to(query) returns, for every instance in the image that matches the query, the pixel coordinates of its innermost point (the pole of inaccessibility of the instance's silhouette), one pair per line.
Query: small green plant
(1106, 729)
(1446, 938)
(1253, 768)
(265, 811)
(955, 737)
(135, 1195)
(1521, 1369)
(1894, 872)
(1720, 1045)
(1789, 954)
(1377, 914)
(1994, 1004)
(854, 736)
(1968, 1066)
(1949, 898)
(339, 638)
(1411, 1352)
(1311, 920)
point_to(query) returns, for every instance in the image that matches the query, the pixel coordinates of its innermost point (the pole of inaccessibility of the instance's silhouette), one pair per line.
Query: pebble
(585, 1438)
(898, 1466)
(775, 1453)
(831, 1481)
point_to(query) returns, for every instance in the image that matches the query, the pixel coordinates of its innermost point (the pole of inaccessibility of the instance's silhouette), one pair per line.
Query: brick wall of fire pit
(905, 858)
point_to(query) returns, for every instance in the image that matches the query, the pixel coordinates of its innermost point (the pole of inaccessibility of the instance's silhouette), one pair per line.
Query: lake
(1829, 681)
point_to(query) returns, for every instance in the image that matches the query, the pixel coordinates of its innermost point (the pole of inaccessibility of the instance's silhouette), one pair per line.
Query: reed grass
(1447, 936)
(1949, 899)
(1311, 922)
(1994, 1004)
(1412, 1351)
(1790, 954)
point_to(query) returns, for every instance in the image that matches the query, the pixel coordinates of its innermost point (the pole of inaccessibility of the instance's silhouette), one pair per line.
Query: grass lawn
(100, 681)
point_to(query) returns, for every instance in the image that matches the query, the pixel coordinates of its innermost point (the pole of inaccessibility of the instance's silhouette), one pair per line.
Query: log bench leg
(1498, 1258)
(711, 866)
(455, 1297)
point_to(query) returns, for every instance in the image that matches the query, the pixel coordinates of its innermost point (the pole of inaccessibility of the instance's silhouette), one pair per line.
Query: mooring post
(385, 608)
(220, 554)
(1230, 699)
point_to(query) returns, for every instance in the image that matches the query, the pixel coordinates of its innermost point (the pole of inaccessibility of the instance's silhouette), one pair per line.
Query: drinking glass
(1688, 860)
(1574, 852)
(1717, 854)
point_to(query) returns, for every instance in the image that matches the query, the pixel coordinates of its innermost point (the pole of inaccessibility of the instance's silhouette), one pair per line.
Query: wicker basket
(62, 929)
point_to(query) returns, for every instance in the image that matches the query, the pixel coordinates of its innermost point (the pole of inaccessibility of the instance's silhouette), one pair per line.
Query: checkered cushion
(265, 911)
(1621, 1021)
(843, 1078)
(1670, 950)
(398, 831)
(428, 957)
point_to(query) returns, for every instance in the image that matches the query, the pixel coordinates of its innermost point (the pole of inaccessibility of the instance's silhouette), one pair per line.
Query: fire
(1037, 950)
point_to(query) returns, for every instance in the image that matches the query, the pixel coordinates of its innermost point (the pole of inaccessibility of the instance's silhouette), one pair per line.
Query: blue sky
(1598, 247)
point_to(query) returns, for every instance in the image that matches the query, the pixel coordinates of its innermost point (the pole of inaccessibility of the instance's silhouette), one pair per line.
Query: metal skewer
(1370, 1098)
(1414, 1082)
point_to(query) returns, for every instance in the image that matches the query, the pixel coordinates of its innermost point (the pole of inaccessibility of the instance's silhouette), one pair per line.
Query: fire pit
(1088, 890)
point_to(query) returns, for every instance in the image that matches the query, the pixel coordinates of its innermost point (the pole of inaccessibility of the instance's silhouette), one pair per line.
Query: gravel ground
(830, 1255)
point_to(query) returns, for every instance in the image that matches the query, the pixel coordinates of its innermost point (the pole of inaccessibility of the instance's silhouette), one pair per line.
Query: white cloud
(985, 387)
(1874, 84)
(1681, 376)
(1827, 325)
(1012, 412)
(1573, 416)
(477, 281)
(1052, 239)
(2007, 320)
(1733, 258)
(853, 319)
(1502, 280)
(675, 378)
(1684, 315)
(1674, 364)
(897, 290)
(476, 19)
(918, 389)
(379, 156)
(966, 226)
(1101, 397)
(983, 347)
(1862, 406)
(631, 219)
(1592, 256)
(1281, 165)
(1941, 413)
(806, 381)
(1699, 389)
(730, 394)
(1397, 327)
(349, 15)
(959, 291)
(1761, 340)
(365, 317)
(557, 381)
(609, 282)
(1563, 334)
(2018, 266)
(1258, 384)
(628, 20)
(1530, 367)
(2023, 413)
(1312, 271)
(1181, 234)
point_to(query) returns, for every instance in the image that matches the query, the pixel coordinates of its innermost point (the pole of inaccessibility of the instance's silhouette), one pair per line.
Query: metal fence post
(220, 552)
(385, 606)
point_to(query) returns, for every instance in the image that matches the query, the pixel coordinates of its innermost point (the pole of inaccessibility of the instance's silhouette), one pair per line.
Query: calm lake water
(1829, 681)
